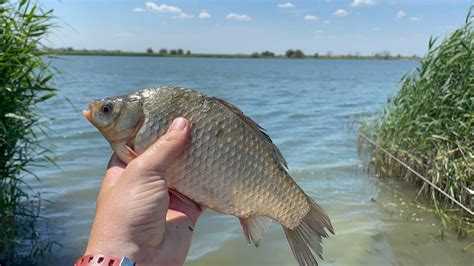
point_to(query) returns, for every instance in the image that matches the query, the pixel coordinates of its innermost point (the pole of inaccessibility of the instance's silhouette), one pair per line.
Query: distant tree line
(385, 54)
(148, 51)
(264, 54)
(294, 54)
(291, 53)
(164, 51)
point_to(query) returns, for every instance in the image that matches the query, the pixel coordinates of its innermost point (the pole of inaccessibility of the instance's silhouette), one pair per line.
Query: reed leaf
(24, 81)
(429, 122)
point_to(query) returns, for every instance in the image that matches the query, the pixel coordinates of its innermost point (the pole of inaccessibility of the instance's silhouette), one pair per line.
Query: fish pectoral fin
(254, 227)
(185, 199)
(130, 151)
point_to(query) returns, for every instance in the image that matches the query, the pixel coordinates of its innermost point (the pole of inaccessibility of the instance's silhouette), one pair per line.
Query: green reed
(428, 124)
(24, 82)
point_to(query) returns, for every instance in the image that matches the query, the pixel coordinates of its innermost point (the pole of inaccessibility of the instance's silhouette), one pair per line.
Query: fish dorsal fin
(254, 227)
(257, 128)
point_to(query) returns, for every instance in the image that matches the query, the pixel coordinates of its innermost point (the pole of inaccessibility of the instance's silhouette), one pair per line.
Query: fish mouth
(87, 114)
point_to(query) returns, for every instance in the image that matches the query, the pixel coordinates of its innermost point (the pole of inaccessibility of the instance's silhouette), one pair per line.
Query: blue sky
(225, 26)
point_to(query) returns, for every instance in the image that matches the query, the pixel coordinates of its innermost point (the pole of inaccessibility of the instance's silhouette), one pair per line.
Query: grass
(24, 82)
(429, 125)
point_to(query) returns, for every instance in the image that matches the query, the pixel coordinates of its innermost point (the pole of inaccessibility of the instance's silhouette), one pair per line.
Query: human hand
(136, 216)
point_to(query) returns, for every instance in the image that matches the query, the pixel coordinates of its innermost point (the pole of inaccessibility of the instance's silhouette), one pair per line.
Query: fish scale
(230, 164)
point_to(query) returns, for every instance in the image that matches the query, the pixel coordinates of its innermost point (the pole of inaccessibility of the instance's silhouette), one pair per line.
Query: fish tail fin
(306, 238)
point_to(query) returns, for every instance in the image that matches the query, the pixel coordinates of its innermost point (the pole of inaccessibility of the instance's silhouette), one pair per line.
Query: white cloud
(318, 31)
(362, 2)
(234, 16)
(204, 14)
(183, 16)
(327, 22)
(286, 5)
(310, 17)
(176, 11)
(416, 18)
(163, 8)
(340, 13)
(401, 14)
(376, 29)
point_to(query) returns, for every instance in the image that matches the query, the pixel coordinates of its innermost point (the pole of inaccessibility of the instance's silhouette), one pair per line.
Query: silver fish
(230, 164)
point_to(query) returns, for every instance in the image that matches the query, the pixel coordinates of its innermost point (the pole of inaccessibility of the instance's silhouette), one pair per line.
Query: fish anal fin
(254, 227)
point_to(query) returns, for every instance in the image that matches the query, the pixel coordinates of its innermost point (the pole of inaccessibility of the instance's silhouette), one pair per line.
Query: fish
(230, 164)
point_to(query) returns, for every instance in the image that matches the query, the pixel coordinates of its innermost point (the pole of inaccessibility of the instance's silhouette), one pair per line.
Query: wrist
(99, 259)
(113, 246)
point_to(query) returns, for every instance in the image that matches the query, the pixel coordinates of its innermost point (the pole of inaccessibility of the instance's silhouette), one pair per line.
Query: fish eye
(106, 108)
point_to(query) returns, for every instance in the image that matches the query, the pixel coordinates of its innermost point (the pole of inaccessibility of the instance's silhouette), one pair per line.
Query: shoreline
(230, 56)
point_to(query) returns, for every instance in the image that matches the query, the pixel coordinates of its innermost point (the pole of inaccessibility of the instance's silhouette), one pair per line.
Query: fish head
(117, 118)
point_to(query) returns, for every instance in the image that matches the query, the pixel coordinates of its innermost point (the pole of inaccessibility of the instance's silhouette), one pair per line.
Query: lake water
(308, 108)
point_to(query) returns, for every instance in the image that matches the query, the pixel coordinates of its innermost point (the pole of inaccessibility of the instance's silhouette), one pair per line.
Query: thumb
(160, 155)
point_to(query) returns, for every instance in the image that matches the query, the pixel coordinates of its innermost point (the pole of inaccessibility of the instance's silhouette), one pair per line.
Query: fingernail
(178, 124)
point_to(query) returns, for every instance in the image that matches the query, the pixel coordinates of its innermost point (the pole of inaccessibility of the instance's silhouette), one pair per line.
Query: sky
(227, 26)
